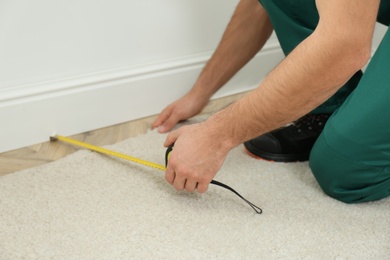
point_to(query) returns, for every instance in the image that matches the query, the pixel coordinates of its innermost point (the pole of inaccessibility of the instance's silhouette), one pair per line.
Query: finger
(172, 137)
(190, 185)
(170, 175)
(164, 115)
(169, 123)
(203, 187)
(179, 183)
(159, 120)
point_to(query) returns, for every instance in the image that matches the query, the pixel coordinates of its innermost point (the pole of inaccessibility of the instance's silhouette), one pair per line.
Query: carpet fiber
(90, 206)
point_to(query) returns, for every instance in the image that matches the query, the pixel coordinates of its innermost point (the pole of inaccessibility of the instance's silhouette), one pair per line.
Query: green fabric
(358, 134)
(384, 11)
(294, 21)
(346, 179)
(351, 159)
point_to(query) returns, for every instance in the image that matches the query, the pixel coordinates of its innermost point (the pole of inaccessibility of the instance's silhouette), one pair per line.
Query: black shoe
(291, 143)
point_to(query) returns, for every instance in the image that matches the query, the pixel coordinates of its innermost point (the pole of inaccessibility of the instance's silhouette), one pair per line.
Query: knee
(325, 171)
(344, 178)
(329, 177)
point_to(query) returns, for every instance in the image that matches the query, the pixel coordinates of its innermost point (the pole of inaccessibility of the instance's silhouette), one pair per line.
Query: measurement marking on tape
(107, 152)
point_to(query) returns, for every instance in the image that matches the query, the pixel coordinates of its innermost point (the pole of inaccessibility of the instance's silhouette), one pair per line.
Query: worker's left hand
(197, 156)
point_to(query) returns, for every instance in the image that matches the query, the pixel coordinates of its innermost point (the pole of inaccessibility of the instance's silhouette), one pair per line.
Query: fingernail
(161, 129)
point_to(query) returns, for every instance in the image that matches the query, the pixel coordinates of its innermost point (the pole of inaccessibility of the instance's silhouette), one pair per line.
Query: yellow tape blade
(108, 152)
(139, 161)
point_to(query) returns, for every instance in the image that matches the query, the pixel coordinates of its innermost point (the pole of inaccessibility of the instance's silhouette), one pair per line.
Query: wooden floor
(43, 153)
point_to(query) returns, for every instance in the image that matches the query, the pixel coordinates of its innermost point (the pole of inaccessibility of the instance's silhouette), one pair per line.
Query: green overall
(351, 158)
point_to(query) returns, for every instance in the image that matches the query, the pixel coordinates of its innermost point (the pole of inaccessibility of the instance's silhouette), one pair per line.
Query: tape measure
(107, 152)
(142, 162)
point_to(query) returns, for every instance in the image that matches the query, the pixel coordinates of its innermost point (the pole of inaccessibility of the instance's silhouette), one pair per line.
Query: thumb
(172, 137)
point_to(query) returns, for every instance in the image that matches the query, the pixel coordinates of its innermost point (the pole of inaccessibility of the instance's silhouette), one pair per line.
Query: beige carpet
(89, 206)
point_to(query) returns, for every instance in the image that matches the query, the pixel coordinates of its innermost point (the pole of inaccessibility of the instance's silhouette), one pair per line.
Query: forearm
(245, 35)
(311, 74)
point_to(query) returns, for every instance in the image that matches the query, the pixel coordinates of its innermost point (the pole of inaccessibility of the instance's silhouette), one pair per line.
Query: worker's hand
(182, 109)
(197, 156)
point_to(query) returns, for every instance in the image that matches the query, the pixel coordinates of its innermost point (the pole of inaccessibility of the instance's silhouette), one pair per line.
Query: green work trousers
(351, 158)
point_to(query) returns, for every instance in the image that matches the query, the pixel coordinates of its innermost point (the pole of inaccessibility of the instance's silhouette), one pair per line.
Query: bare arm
(245, 35)
(314, 71)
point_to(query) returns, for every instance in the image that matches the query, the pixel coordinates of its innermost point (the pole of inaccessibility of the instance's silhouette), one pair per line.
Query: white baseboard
(30, 114)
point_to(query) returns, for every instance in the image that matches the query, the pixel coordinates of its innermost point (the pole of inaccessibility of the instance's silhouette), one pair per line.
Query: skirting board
(30, 114)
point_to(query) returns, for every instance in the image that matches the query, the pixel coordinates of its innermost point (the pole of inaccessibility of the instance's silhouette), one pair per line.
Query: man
(326, 43)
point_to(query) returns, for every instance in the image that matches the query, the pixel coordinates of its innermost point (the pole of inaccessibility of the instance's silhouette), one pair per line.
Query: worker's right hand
(182, 109)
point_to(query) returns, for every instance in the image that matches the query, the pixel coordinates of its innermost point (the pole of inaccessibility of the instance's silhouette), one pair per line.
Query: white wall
(45, 40)
(72, 66)
(380, 31)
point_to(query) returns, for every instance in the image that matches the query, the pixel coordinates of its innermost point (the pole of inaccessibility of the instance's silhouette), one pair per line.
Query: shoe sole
(258, 154)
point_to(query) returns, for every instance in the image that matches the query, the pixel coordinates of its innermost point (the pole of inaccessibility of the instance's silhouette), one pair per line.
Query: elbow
(351, 51)
(352, 58)
(356, 51)
(351, 62)
(360, 57)
(351, 48)
(347, 61)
